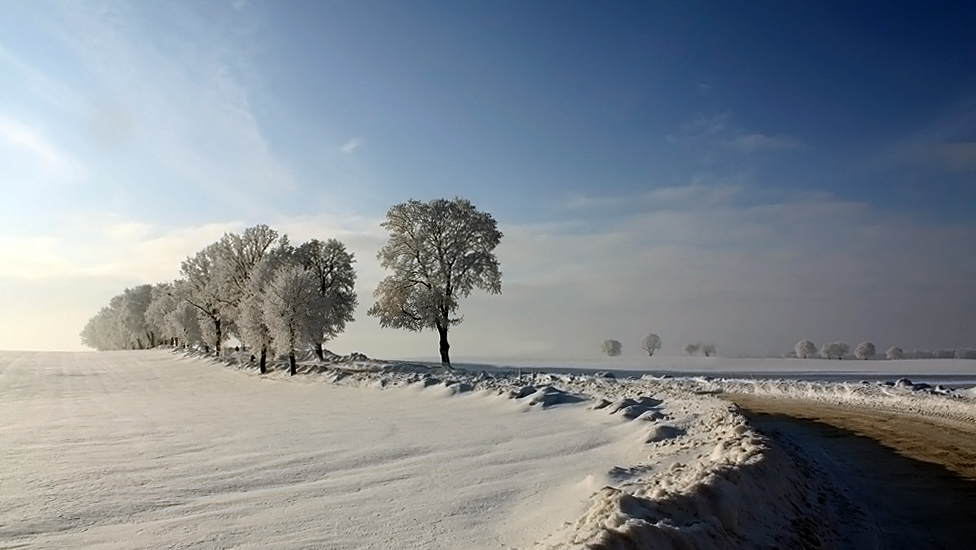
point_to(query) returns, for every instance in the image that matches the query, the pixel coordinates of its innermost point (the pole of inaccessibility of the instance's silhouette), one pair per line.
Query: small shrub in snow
(805, 349)
(864, 350)
(612, 347)
(895, 353)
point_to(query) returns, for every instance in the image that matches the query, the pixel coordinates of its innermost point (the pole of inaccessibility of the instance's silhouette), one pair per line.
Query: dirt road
(910, 481)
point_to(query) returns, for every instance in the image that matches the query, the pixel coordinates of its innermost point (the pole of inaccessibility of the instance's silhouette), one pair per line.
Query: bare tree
(612, 347)
(864, 350)
(439, 252)
(692, 349)
(805, 349)
(707, 350)
(651, 343)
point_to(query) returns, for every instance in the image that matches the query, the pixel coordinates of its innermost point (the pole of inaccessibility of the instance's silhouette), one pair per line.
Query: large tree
(294, 310)
(439, 251)
(331, 264)
(236, 257)
(205, 287)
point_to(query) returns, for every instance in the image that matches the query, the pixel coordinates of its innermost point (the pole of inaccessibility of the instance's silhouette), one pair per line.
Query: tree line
(805, 349)
(278, 298)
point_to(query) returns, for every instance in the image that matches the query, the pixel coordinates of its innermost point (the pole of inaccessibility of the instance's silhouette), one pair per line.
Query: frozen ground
(151, 449)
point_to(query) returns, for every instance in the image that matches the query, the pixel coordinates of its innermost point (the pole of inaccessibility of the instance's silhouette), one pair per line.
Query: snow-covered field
(149, 449)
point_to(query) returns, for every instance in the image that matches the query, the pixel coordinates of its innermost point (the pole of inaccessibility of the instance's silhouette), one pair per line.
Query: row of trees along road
(275, 297)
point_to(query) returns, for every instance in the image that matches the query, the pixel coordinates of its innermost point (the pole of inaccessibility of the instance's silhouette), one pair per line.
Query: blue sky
(748, 174)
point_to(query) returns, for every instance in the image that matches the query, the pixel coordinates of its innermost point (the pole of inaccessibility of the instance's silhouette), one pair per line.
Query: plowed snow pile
(151, 449)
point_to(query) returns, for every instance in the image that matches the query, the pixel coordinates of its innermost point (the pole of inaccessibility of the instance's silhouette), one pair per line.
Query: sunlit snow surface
(151, 449)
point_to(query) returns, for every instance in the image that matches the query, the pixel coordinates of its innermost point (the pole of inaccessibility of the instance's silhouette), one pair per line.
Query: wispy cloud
(716, 132)
(749, 143)
(944, 144)
(43, 156)
(189, 106)
(351, 145)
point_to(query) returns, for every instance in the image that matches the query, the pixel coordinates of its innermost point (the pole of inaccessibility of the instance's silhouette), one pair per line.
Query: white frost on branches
(439, 251)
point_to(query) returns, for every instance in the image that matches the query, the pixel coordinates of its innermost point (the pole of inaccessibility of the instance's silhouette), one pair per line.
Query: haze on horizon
(746, 175)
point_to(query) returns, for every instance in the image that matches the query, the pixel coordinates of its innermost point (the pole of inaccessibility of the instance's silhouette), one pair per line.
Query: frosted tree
(205, 288)
(612, 347)
(331, 264)
(294, 310)
(253, 327)
(805, 349)
(864, 350)
(122, 324)
(439, 252)
(895, 353)
(183, 323)
(692, 349)
(235, 259)
(104, 331)
(834, 350)
(651, 343)
(135, 302)
(163, 301)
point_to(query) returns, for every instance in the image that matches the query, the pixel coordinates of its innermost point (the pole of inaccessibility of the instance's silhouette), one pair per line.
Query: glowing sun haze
(740, 175)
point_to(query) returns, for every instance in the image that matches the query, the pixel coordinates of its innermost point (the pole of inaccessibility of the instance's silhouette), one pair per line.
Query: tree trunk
(291, 361)
(264, 359)
(217, 330)
(444, 347)
(318, 351)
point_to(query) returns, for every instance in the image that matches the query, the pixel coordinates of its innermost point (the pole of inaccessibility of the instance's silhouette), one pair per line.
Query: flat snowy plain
(149, 449)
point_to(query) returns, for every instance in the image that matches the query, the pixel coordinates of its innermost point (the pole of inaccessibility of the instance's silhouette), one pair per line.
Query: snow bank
(708, 481)
(900, 395)
(745, 493)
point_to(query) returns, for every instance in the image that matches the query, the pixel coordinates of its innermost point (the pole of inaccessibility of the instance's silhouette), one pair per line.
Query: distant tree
(332, 266)
(439, 252)
(104, 331)
(834, 350)
(707, 349)
(864, 350)
(184, 323)
(805, 349)
(294, 310)
(162, 302)
(895, 353)
(966, 353)
(135, 302)
(651, 343)
(692, 349)
(122, 324)
(612, 347)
